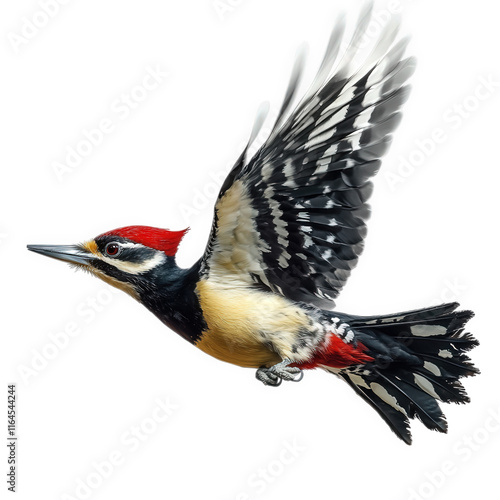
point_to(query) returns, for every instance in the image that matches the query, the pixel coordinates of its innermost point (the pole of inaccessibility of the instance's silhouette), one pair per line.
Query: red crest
(152, 237)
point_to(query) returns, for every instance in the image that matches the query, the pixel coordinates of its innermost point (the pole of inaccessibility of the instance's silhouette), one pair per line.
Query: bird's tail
(418, 359)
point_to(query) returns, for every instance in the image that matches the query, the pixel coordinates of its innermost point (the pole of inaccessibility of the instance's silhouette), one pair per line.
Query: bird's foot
(274, 375)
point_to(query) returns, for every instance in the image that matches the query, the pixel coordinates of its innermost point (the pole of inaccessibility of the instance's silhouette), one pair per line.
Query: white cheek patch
(137, 267)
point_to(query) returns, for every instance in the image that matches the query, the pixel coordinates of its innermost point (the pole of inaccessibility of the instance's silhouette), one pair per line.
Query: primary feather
(292, 219)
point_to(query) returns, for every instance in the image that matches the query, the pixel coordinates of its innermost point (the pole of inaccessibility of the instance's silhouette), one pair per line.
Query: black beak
(73, 254)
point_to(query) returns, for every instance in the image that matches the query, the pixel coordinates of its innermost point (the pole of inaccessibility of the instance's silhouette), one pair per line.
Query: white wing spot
(321, 169)
(282, 261)
(425, 385)
(349, 336)
(266, 171)
(331, 150)
(289, 170)
(363, 119)
(432, 368)
(427, 330)
(359, 381)
(326, 254)
(382, 393)
(444, 353)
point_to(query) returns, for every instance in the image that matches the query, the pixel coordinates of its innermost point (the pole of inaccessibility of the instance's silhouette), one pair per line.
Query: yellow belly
(246, 327)
(241, 352)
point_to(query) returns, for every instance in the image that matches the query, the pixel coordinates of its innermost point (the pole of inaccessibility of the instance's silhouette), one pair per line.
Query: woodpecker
(288, 228)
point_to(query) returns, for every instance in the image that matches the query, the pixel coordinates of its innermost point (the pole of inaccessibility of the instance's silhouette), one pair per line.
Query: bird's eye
(112, 249)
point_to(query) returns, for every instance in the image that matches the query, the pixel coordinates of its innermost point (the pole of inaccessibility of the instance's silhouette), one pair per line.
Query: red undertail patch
(337, 354)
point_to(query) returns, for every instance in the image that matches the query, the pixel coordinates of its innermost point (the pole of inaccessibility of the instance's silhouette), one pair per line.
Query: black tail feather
(417, 404)
(451, 391)
(392, 417)
(419, 357)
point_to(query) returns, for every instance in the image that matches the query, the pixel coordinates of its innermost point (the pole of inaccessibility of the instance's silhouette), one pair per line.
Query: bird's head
(129, 258)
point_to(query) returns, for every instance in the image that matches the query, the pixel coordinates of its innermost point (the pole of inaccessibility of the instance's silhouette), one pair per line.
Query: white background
(432, 238)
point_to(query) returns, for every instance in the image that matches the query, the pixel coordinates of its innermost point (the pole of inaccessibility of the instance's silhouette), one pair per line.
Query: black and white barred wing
(292, 219)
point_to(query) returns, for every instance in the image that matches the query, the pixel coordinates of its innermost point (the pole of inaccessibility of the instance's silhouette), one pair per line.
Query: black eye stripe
(133, 254)
(137, 254)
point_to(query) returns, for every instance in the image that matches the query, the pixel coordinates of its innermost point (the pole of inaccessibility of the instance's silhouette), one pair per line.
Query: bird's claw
(274, 375)
(268, 378)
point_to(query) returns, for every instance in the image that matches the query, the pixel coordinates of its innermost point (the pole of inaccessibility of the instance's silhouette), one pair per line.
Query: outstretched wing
(292, 219)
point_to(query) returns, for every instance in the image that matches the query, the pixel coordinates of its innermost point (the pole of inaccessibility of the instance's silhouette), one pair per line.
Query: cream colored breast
(248, 327)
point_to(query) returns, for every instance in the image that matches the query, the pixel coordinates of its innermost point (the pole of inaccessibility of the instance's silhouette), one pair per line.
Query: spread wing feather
(293, 218)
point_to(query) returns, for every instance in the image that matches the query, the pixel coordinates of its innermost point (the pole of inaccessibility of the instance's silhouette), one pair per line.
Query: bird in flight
(288, 228)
